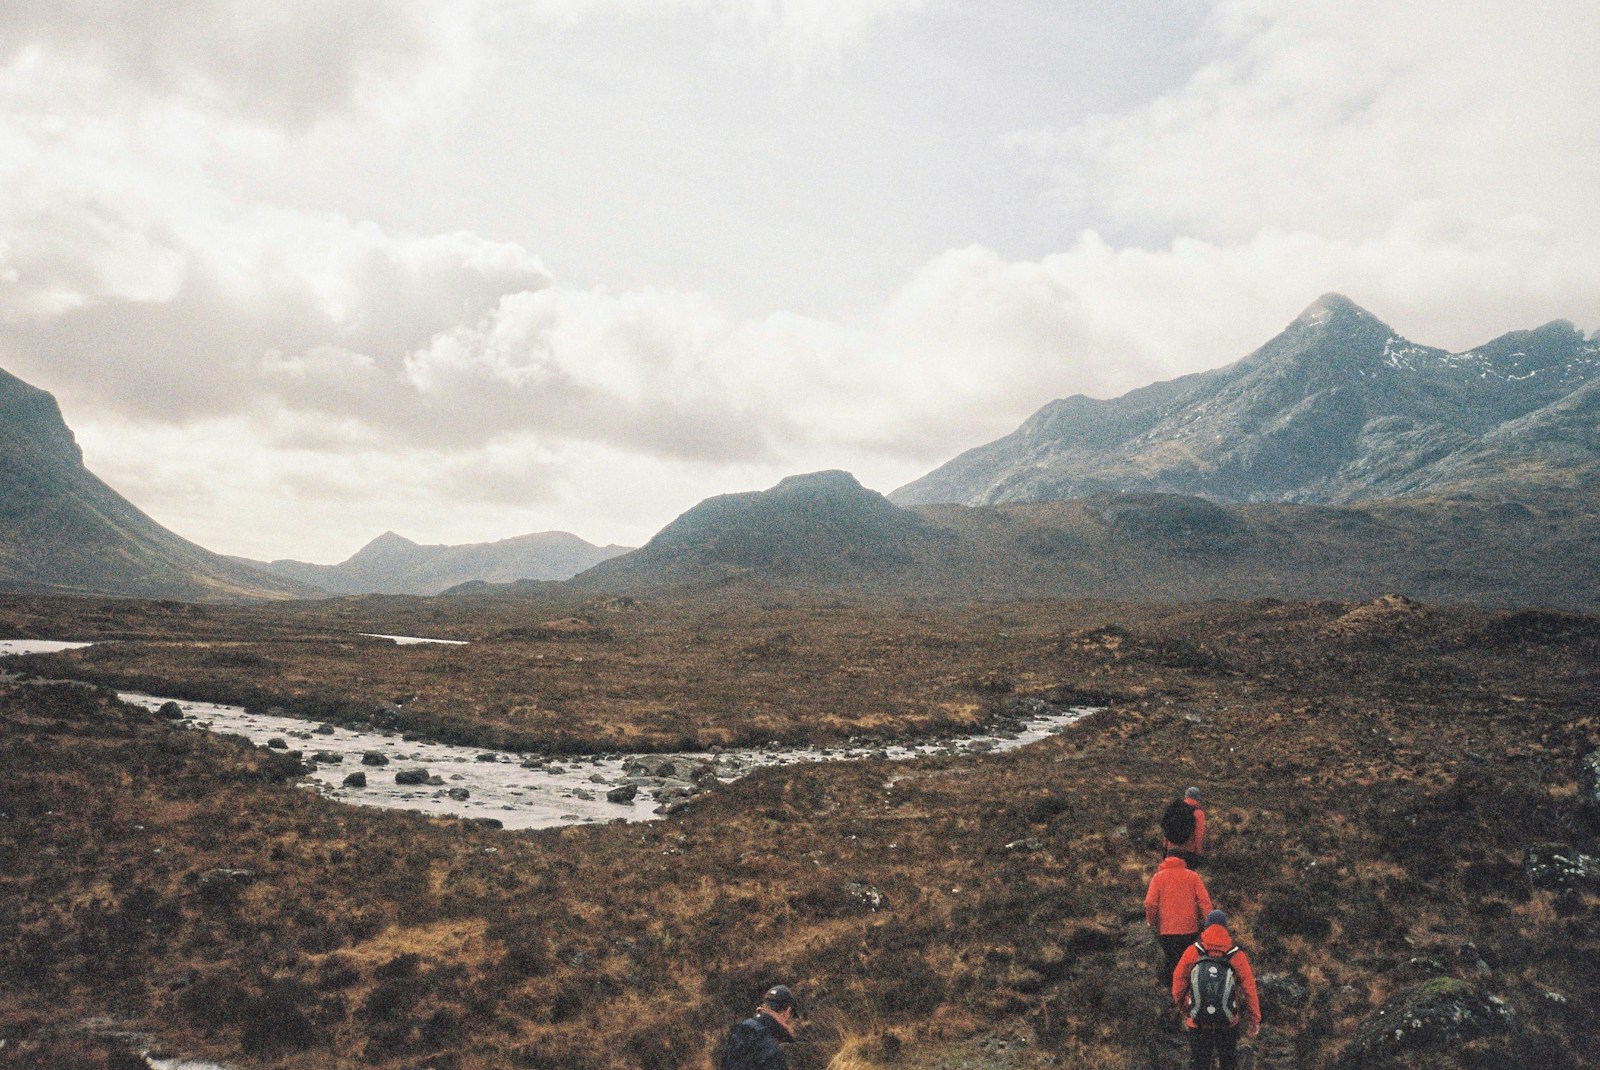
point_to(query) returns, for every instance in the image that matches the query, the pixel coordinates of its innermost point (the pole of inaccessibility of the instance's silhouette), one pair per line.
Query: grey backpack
(1214, 990)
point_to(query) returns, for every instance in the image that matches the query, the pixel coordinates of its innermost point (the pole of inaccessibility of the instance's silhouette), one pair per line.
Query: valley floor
(1378, 777)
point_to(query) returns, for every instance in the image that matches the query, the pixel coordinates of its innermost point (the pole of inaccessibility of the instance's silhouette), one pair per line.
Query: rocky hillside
(63, 529)
(391, 564)
(1338, 408)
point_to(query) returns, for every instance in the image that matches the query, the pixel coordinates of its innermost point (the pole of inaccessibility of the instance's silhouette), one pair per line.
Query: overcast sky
(303, 272)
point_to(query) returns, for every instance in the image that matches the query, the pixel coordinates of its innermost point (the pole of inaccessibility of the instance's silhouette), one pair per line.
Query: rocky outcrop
(1437, 1014)
(1557, 866)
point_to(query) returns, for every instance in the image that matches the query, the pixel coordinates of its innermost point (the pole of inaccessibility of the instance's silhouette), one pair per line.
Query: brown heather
(1373, 776)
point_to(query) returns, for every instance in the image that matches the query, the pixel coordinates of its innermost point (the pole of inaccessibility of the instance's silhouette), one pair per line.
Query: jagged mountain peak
(1337, 407)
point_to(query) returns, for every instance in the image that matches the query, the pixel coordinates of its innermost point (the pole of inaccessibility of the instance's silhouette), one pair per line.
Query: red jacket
(1195, 844)
(1217, 941)
(1177, 901)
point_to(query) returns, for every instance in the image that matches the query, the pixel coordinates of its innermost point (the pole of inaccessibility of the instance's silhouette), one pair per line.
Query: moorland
(1386, 781)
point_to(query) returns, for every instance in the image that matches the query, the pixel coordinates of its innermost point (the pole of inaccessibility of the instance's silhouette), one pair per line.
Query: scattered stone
(373, 757)
(276, 743)
(459, 794)
(357, 779)
(411, 776)
(435, 781)
(624, 794)
(488, 756)
(328, 757)
(1438, 1013)
(324, 729)
(1558, 866)
(866, 895)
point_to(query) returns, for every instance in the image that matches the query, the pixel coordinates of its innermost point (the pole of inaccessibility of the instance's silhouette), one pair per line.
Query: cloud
(258, 365)
(1335, 118)
(289, 63)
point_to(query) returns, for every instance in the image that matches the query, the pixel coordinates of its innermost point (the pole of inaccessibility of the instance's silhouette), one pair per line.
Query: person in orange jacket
(1194, 847)
(1173, 905)
(1219, 1037)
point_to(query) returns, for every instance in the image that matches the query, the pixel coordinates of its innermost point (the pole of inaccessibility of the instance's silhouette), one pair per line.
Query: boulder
(276, 743)
(411, 777)
(1438, 1014)
(459, 794)
(327, 757)
(357, 779)
(624, 794)
(171, 711)
(373, 757)
(1558, 866)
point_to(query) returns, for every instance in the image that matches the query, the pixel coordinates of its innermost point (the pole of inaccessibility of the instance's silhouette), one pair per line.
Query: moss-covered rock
(1439, 1013)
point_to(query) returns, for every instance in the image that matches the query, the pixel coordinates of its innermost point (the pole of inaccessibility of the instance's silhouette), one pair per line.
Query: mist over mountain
(62, 530)
(1338, 408)
(392, 564)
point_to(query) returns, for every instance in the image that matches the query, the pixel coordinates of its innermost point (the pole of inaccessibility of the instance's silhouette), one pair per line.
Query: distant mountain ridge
(392, 564)
(826, 533)
(1337, 408)
(64, 531)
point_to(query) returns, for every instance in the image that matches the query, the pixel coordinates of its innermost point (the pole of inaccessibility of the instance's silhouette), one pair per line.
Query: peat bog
(1377, 776)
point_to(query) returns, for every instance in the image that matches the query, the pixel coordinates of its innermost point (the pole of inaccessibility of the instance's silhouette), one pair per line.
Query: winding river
(526, 791)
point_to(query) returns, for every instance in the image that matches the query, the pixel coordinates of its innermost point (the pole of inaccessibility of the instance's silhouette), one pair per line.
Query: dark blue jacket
(753, 1044)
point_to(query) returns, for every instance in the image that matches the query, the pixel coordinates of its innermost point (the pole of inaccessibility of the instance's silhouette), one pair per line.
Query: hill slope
(391, 564)
(826, 532)
(63, 530)
(1337, 408)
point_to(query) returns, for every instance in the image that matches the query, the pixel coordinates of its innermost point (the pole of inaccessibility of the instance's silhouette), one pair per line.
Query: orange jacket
(1195, 844)
(1217, 941)
(1177, 901)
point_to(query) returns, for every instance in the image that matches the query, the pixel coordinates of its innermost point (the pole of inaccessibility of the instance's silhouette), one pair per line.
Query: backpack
(740, 1047)
(1214, 990)
(1177, 821)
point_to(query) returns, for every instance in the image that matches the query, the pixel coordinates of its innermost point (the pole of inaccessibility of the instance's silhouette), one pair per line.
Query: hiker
(1173, 905)
(1183, 824)
(754, 1044)
(1215, 989)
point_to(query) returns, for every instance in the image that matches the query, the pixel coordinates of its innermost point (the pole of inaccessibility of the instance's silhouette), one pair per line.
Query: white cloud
(275, 373)
(290, 63)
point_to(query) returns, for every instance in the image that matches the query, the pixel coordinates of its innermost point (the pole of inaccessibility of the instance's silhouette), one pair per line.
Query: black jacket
(753, 1044)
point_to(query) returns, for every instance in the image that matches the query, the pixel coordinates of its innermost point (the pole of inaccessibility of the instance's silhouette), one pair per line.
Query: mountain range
(1337, 461)
(1337, 408)
(391, 564)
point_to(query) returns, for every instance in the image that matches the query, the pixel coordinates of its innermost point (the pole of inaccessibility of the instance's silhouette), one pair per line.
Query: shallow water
(561, 790)
(524, 791)
(36, 646)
